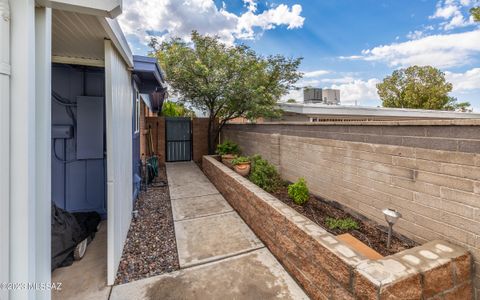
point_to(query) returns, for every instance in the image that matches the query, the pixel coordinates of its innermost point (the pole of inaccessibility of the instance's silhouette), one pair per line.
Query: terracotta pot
(242, 169)
(227, 160)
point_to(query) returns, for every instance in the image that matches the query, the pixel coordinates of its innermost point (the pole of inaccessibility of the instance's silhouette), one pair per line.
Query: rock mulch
(150, 248)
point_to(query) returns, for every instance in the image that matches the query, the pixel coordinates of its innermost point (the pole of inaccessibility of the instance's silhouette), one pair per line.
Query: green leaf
(418, 87)
(298, 191)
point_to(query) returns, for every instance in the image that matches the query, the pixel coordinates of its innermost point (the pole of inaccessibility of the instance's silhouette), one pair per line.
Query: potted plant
(241, 165)
(228, 151)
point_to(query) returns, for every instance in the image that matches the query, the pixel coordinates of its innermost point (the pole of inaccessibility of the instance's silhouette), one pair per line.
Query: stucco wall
(430, 171)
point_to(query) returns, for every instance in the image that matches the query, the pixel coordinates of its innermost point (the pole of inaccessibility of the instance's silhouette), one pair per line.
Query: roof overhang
(148, 69)
(79, 39)
(344, 110)
(101, 8)
(151, 84)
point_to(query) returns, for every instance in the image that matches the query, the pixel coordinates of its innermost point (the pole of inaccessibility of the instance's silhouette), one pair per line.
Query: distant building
(298, 112)
(321, 96)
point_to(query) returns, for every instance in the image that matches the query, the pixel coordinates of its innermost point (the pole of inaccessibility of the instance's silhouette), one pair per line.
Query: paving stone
(194, 207)
(211, 238)
(256, 275)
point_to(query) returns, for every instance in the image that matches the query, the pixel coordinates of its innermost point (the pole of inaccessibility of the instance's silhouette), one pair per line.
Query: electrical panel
(90, 127)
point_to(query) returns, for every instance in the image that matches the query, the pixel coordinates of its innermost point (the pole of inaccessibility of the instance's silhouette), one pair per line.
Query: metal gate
(178, 139)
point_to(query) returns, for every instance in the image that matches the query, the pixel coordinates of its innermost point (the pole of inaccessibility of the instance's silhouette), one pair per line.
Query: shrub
(264, 174)
(228, 147)
(240, 160)
(343, 224)
(298, 191)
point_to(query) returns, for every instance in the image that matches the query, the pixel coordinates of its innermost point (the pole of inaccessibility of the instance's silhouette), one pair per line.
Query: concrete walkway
(220, 257)
(86, 278)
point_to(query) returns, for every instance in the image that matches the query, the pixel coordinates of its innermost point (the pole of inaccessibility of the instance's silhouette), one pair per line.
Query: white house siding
(23, 152)
(119, 154)
(43, 129)
(4, 149)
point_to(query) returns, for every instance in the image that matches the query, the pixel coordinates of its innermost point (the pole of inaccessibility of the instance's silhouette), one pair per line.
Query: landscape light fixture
(391, 215)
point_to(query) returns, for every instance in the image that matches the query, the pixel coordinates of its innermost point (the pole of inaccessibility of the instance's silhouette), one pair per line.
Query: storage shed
(66, 98)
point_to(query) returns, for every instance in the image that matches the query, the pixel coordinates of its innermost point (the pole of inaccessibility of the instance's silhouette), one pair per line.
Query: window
(137, 111)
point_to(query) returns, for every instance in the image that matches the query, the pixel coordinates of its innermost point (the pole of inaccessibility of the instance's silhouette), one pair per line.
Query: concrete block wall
(199, 138)
(428, 170)
(326, 267)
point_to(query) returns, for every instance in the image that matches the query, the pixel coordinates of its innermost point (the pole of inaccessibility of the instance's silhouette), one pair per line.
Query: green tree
(173, 109)
(475, 11)
(225, 82)
(291, 100)
(418, 87)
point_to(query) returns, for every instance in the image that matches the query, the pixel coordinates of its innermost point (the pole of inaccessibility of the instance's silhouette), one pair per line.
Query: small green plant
(264, 174)
(228, 147)
(240, 160)
(298, 191)
(343, 224)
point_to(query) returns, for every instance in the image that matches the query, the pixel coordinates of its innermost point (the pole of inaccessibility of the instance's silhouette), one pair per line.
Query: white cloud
(451, 11)
(251, 5)
(294, 94)
(442, 51)
(313, 74)
(269, 19)
(340, 80)
(415, 35)
(168, 18)
(470, 80)
(357, 91)
(352, 90)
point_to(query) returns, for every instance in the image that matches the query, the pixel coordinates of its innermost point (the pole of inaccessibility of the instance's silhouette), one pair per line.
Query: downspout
(4, 144)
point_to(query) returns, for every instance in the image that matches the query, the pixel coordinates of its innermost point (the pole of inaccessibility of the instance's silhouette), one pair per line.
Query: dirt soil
(369, 233)
(150, 248)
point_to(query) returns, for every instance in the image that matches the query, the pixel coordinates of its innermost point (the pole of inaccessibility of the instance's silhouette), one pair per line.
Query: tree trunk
(209, 138)
(212, 136)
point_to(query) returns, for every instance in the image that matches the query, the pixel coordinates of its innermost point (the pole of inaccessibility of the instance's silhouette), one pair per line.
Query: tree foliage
(173, 109)
(422, 87)
(225, 82)
(475, 11)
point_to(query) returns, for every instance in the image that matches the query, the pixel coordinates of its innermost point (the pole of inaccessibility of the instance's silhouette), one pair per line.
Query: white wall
(4, 147)
(43, 127)
(26, 144)
(22, 146)
(119, 154)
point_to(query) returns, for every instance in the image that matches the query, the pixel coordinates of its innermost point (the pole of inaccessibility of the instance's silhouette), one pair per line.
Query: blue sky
(346, 44)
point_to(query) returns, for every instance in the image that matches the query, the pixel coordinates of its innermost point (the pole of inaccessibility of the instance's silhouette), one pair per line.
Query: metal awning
(146, 100)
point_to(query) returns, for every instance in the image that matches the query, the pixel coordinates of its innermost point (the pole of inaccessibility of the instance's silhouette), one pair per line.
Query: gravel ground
(150, 248)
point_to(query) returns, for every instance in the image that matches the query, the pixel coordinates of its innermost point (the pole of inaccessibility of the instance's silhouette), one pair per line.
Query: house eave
(103, 8)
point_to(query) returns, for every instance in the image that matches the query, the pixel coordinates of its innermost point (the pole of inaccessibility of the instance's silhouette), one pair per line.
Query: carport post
(22, 147)
(28, 139)
(43, 166)
(5, 145)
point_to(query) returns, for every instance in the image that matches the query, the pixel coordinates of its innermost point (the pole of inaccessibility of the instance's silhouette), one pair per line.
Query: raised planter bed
(372, 235)
(328, 268)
